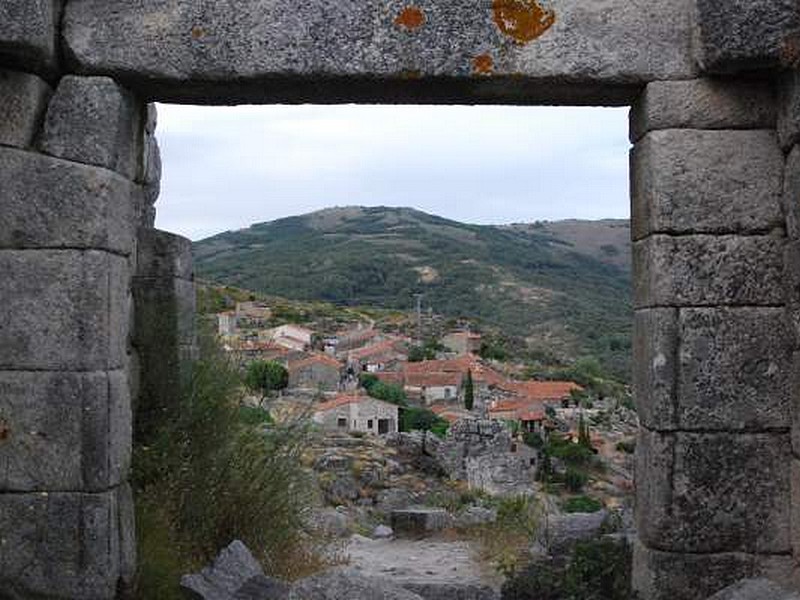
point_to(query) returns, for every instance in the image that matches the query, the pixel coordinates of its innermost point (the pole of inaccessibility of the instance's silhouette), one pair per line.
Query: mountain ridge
(559, 288)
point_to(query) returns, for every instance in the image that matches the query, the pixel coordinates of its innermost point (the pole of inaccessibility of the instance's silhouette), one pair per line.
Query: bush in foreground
(213, 473)
(597, 570)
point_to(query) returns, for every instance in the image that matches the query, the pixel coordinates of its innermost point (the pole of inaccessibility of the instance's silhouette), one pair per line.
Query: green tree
(264, 377)
(388, 392)
(469, 391)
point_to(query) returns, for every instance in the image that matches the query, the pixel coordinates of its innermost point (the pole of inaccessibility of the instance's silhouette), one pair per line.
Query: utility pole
(419, 318)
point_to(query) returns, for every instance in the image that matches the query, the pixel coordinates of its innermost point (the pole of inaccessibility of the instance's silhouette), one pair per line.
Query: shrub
(598, 570)
(542, 581)
(263, 377)
(213, 473)
(422, 419)
(505, 543)
(570, 453)
(575, 479)
(581, 504)
(534, 440)
(388, 392)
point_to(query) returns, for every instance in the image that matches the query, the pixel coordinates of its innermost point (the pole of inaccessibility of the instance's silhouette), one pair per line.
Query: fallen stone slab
(755, 589)
(261, 587)
(234, 575)
(453, 591)
(419, 521)
(340, 585)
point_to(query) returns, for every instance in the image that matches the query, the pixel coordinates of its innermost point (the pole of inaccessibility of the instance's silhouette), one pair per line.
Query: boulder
(563, 532)
(261, 587)
(382, 532)
(340, 489)
(331, 521)
(234, 570)
(452, 591)
(755, 589)
(475, 516)
(339, 585)
(394, 498)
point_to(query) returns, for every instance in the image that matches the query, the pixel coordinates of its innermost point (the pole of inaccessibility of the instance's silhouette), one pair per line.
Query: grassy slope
(550, 283)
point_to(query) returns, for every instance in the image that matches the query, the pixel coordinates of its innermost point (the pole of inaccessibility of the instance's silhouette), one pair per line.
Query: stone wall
(70, 170)
(715, 180)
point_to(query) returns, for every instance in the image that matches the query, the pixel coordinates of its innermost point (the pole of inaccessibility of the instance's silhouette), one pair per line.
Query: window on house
(341, 423)
(369, 424)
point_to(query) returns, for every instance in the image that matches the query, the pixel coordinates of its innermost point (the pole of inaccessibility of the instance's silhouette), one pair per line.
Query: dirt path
(412, 561)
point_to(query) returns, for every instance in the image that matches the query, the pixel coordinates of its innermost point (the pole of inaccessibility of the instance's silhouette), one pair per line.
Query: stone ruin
(96, 306)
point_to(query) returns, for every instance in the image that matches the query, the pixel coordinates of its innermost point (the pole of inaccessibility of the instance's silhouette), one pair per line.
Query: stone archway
(716, 178)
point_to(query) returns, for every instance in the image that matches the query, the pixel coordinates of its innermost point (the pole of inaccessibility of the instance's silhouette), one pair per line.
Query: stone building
(349, 413)
(316, 372)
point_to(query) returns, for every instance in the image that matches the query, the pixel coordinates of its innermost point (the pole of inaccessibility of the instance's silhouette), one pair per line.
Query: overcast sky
(227, 168)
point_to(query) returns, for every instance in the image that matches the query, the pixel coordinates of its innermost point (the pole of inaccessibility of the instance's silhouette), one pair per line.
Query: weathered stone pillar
(789, 136)
(712, 346)
(68, 212)
(164, 341)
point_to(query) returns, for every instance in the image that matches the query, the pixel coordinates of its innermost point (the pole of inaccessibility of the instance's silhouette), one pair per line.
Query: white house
(348, 413)
(293, 337)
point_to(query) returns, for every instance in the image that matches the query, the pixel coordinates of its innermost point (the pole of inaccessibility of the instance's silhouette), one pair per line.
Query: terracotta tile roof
(344, 400)
(379, 349)
(433, 379)
(522, 409)
(340, 400)
(262, 347)
(390, 377)
(321, 359)
(450, 413)
(480, 372)
(531, 416)
(541, 390)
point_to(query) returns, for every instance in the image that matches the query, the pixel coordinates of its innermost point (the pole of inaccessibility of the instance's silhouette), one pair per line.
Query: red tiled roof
(480, 372)
(381, 348)
(541, 390)
(531, 416)
(389, 377)
(261, 346)
(345, 399)
(433, 379)
(318, 359)
(340, 400)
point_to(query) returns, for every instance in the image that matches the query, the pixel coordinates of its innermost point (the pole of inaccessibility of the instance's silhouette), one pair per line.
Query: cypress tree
(469, 391)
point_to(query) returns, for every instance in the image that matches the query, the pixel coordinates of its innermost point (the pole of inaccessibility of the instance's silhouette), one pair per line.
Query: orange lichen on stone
(410, 17)
(483, 64)
(197, 32)
(522, 20)
(790, 52)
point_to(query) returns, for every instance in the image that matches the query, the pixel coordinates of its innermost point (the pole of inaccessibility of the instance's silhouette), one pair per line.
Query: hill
(558, 290)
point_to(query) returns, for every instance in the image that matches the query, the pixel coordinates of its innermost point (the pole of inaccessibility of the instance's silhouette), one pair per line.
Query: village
(331, 368)
(416, 443)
